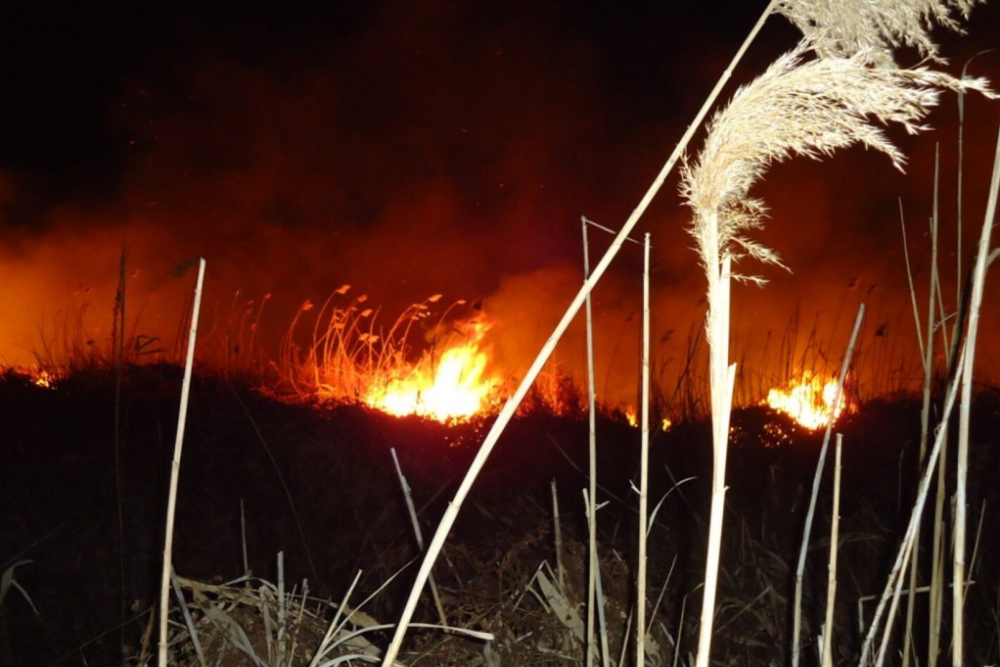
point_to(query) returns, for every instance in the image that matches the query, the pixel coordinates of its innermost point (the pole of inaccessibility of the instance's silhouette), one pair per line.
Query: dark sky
(410, 149)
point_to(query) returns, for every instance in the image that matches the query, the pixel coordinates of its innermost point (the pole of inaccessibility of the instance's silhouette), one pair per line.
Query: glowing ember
(809, 402)
(456, 387)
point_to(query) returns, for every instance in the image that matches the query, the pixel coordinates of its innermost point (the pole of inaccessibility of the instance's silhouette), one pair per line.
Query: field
(317, 484)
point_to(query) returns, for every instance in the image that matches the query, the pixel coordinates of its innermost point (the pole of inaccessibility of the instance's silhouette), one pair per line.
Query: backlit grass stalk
(640, 624)
(831, 586)
(592, 560)
(418, 534)
(926, 351)
(175, 468)
(935, 597)
(810, 513)
(722, 376)
(927, 360)
(983, 259)
(507, 413)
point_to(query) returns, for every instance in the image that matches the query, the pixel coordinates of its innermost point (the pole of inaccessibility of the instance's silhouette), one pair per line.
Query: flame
(632, 417)
(810, 402)
(44, 379)
(456, 388)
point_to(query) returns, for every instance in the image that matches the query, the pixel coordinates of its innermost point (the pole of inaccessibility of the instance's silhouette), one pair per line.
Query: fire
(632, 417)
(457, 387)
(810, 402)
(44, 379)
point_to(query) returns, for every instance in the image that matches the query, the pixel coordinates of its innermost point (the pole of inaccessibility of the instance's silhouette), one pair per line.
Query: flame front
(811, 402)
(457, 387)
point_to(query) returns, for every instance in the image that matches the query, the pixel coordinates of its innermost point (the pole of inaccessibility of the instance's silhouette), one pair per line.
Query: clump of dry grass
(843, 28)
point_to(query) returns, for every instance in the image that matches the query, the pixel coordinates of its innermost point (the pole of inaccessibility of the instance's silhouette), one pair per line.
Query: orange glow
(633, 419)
(810, 402)
(44, 379)
(457, 387)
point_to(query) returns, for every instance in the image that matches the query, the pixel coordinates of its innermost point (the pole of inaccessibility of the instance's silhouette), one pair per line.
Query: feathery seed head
(843, 28)
(798, 107)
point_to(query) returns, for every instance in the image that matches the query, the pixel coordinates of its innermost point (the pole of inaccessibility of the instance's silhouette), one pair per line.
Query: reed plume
(798, 107)
(843, 28)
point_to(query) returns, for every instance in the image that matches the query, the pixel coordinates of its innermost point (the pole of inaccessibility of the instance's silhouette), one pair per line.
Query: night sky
(411, 149)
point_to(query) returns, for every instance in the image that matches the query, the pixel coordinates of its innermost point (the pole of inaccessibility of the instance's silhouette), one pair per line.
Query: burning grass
(812, 401)
(435, 365)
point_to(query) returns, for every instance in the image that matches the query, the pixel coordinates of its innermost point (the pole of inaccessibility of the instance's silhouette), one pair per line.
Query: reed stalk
(722, 376)
(831, 585)
(418, 534)
(640, 623)
(935, 596)
(983, 258)
(176, 467)
(592, 558)
(927, 360)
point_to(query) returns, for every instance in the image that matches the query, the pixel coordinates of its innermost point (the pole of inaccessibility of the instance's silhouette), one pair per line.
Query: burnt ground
(318, 485)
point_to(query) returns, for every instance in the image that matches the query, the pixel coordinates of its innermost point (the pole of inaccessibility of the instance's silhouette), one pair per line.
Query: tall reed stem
(175, 469)
(640, 617)
(983, 258)
(722, 377)
(592, 560)
(831, 580)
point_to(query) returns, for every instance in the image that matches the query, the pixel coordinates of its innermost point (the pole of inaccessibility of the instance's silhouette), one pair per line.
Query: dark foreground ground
(260, 476)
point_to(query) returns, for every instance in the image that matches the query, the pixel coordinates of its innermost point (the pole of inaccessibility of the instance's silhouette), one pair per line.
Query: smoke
(411, 150)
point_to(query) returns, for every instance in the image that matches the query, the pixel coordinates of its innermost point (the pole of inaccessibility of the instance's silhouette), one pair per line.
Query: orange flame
(810, 402)
(456, 388)
(44, 379)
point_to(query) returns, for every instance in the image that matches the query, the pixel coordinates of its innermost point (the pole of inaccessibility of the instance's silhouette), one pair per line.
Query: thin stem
(831, 586)
(593, 562)
(176, 467)
(640, 622)
(961, 472)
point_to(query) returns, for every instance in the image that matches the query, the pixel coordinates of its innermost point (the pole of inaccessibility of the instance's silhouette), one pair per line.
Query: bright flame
(457, 388)
(44, 379)
(810, 402)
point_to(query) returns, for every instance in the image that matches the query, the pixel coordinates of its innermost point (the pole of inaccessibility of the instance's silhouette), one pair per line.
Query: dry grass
(799, 107)
(843, 28)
